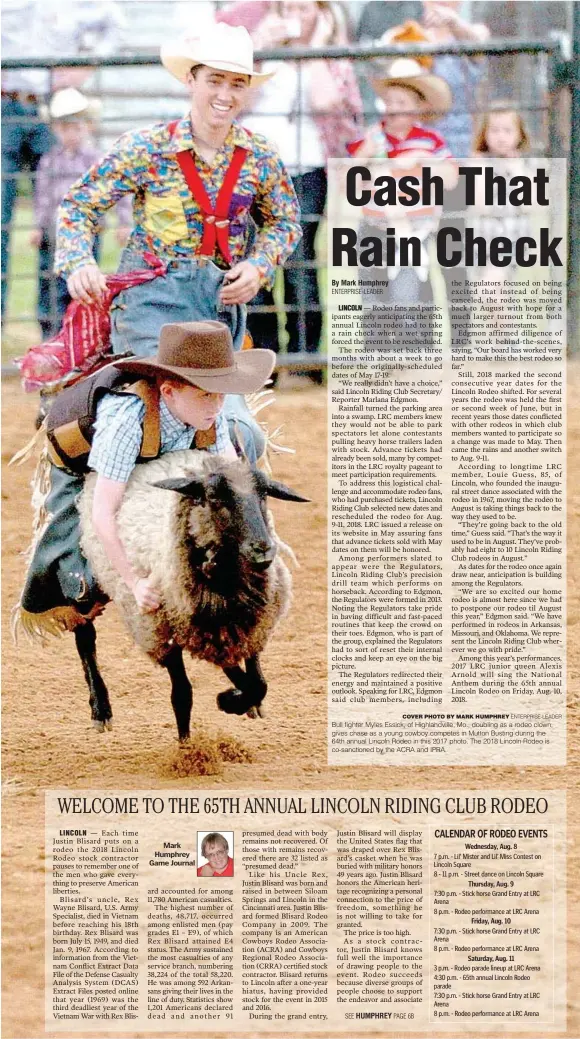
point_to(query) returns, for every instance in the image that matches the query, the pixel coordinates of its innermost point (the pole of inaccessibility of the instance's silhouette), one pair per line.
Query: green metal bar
(512, 46)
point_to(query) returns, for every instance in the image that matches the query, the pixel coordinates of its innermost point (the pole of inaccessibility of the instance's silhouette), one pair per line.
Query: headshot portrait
(215, 854)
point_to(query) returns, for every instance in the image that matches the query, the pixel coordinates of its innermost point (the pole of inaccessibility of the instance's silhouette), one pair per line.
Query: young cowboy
(130, 411)
(193, 184)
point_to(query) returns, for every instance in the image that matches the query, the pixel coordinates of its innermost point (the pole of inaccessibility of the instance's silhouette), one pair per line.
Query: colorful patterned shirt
(119, 432)
(167, 219)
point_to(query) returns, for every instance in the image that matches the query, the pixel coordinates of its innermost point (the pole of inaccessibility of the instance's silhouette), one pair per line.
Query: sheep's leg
(86, 643)
(250, 689)
(181, 692)
(256, 675)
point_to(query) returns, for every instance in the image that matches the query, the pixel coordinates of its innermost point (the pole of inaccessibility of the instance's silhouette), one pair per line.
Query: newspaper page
(389, 845)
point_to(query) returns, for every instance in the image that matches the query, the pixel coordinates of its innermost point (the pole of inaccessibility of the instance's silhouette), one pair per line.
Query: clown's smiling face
(217, 97)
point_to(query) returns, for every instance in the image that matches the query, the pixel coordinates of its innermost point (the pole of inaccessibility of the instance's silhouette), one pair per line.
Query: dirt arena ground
(48, 740)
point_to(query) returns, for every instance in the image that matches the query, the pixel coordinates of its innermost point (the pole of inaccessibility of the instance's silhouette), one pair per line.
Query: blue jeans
(24, 142)
(304, 319)
(59, 574)
(188, 292)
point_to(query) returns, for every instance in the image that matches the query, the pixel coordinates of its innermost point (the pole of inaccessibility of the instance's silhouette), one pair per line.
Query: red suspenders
(215, 221)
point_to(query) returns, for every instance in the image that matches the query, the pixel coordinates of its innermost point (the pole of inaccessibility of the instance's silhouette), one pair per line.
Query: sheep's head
(228, 522)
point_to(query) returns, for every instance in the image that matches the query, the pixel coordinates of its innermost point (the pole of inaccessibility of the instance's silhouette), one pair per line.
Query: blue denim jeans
(24, 142)
(59, 574)
(188, 292)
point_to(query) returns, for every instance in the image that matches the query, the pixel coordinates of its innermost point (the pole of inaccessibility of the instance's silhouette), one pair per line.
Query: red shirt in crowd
(419, 138)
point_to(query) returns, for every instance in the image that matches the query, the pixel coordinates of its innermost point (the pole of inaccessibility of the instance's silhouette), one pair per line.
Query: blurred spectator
(439, 22)
(70, 115)
(310, 112)
(248, 13)
(501, 133)
(31, 28)
(378, 16)
(410, 94)
(443, 23)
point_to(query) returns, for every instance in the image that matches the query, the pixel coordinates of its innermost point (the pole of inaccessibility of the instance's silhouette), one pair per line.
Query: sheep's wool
(155, 526)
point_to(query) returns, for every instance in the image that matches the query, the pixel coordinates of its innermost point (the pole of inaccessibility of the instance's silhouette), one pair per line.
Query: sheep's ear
(274, 489)
(193, 489)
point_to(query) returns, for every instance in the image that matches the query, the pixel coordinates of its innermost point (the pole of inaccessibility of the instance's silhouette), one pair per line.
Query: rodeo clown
(193, 183)
(132, 410)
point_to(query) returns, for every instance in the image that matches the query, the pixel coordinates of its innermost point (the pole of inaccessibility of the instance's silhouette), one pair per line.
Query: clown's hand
(240, 284)
(87, 284)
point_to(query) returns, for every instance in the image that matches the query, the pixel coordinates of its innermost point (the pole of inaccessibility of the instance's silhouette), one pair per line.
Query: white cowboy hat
(406, 72)
(70, 103)
(228, 48)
